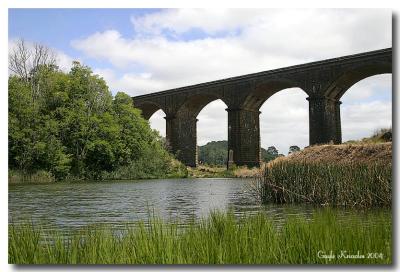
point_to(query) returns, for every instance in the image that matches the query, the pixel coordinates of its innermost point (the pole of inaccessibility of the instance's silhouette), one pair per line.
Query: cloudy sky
(140, 51)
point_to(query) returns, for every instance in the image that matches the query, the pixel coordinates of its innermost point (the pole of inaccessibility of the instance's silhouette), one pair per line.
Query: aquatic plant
(338, 184)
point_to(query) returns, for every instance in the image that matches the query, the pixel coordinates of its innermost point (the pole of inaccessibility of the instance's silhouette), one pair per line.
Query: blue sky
(140, 51)
(58, 27)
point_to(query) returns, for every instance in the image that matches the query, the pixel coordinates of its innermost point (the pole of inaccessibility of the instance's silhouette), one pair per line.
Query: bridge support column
(244, 136)
(181, 134)
(169, 124)
(324, 120)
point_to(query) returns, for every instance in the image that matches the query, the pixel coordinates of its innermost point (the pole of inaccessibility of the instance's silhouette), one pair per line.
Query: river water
(69, 205)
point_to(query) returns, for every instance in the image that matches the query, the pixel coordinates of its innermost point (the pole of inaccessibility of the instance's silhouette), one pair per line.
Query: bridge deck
(303, 67)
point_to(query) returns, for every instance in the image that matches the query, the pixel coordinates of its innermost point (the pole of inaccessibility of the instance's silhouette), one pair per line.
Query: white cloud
(361, 120)
(284, 120)
(157, 122)
(64, 61)
(130, 83)
(265, 39)
(213, 123)
(364, 89)
(235, 42)
(210, 21)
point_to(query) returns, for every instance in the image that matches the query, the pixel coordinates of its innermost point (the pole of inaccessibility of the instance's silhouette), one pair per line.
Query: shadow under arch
(148, 108)
(350, 77)
(194, 104)
(265, 90)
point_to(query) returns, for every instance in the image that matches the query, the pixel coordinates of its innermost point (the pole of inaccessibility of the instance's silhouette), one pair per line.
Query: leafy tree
(293, 148)
(270, 154)
(70, 125)
(33, 136)
(214, 153)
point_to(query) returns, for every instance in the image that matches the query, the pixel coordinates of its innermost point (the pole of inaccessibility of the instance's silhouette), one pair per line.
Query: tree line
(216, 153)
(71, 126)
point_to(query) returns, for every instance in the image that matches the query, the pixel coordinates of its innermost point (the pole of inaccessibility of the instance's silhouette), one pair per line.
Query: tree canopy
(69, 124)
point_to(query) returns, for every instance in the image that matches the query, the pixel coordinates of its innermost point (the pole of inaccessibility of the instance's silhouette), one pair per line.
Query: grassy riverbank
(219, 239)
(203, 171)
(341, 184)
(339, 175)
(134, 171)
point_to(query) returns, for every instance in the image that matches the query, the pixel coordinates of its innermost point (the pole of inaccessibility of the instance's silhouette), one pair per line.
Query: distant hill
(216, 153)
(213, 153)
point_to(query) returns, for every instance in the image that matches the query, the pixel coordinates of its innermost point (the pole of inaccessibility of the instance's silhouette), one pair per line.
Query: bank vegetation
(68, 125)
(352, 175)
(218, 239)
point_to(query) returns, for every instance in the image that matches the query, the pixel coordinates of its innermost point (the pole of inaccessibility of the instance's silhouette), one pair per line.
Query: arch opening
(367, 107)
(148, 109)
(284, 123)
(212, 134)
(157, 122)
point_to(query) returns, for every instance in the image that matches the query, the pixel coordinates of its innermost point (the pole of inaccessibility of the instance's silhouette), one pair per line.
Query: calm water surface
(72, 205)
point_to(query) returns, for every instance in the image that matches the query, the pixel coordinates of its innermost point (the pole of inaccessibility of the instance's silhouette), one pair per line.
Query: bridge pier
(244, 136)
(324, 120)
(181, 134)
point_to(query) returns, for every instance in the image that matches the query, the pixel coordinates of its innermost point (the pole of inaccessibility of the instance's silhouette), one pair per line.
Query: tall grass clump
(218, 239)
(337, 184)
(41, 176)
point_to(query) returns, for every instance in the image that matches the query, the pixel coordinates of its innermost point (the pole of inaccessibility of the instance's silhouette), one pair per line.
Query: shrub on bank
(15, 177)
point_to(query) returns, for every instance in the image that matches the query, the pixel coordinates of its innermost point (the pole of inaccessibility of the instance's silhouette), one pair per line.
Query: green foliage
(219, 239)
(293, 148)
(69, 125)
(216, 153)
(336, 184)
(270, 154)
(41, 176)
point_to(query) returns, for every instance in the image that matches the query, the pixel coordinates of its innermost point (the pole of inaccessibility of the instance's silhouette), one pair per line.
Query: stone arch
(193, 105)
(262, 91)
(357, 73)
(183, 127)
(148, 108)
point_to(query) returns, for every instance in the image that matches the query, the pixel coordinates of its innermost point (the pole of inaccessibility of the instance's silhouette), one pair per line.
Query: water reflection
(72, 205)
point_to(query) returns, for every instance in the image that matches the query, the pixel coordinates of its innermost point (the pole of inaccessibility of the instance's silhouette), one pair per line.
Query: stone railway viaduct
(324, 82)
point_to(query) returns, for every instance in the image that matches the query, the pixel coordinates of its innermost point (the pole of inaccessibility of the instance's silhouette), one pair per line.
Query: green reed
(336, 184)
(219, 239)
